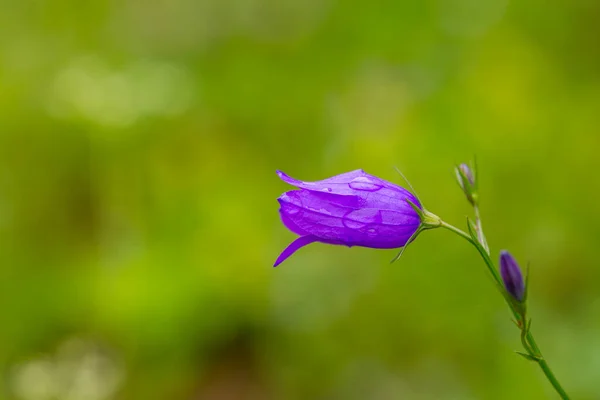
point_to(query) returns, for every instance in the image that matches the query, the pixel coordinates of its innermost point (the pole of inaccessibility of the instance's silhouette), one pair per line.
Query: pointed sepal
(528, 356)
(410, 240)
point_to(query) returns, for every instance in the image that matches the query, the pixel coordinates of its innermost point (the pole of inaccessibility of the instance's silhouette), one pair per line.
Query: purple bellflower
(511, 275)
(351, 209)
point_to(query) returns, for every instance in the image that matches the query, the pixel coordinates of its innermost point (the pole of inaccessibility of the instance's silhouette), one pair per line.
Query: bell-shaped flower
(351, 209)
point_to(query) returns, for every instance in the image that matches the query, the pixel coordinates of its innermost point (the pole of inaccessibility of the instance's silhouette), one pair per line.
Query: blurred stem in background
(509, 281)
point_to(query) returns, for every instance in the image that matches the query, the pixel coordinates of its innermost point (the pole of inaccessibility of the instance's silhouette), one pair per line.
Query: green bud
(467, 182)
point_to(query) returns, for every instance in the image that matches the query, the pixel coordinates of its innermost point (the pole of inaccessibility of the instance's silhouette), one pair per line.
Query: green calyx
(428, 219)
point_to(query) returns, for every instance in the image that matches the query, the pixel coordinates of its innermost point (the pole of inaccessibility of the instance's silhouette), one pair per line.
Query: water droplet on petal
(365, 183)
(360, 219)
(353, 221)
(292, 209)
(326, 190)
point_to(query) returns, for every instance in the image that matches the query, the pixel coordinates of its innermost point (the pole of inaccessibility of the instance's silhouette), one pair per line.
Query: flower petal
(294, 246)
(359, 183)
(342, 220)
(312, 214)
(287, 221)
(334, 184)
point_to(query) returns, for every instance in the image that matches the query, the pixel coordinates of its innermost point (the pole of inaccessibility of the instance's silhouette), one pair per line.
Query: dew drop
(326, 190)
(365, 183)
(354, 220)
(372, 232)
(292, 209)
(352, 224)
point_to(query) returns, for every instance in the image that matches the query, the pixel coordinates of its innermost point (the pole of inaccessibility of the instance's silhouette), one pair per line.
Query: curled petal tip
(282, 175)
(287, 179)
(293, 247)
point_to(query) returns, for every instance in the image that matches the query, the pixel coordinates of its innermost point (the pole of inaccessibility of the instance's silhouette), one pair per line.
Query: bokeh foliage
(138, 221)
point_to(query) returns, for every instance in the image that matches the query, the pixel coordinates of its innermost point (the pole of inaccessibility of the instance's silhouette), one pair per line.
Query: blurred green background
(138, 216)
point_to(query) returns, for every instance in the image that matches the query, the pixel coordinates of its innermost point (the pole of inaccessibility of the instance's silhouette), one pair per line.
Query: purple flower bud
(466, 180)
(511, 275)
(467, 172)
(351, 209)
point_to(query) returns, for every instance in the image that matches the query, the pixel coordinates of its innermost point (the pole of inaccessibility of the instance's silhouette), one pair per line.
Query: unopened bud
(466, 181)
(511, 276)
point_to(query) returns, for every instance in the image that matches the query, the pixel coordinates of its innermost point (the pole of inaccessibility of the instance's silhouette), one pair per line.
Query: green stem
(457, 231)
(480, 249)
(526, 337)
(480, 234)
(546, 368)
